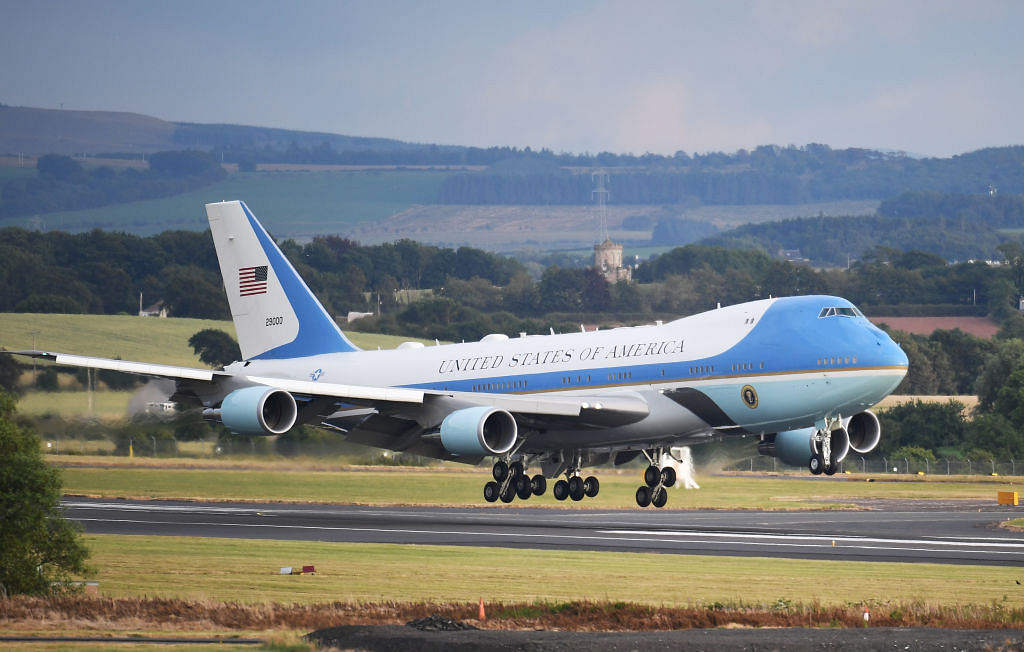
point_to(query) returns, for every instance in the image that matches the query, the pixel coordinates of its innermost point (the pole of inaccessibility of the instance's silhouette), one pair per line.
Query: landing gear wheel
(491, 491)
(816, 464)
(500, 471)
(561, 490)
(668, 476)
(591, 486)
(833, 467)
(509, 493)
(660, 498)
(524, 489)
(652, 476)
(643, 496)
(516, 469)
(576, 489)
(539, 484)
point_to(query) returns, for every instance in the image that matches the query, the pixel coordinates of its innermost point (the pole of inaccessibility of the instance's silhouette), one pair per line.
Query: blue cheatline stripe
(317, 331)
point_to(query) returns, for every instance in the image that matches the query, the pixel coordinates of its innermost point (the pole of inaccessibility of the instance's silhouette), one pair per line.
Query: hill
(32, 131)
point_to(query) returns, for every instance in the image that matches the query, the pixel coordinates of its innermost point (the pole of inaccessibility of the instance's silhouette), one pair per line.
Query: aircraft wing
(535, 409)
(601, 411)
(127, 366)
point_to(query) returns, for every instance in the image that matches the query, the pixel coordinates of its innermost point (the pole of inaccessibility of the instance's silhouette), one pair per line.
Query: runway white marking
(824, 538)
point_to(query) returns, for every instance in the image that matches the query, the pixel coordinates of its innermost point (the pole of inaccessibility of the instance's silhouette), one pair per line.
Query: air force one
(797, 373)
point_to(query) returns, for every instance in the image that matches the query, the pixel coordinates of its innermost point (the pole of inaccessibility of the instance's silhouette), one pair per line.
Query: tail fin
(276, 316)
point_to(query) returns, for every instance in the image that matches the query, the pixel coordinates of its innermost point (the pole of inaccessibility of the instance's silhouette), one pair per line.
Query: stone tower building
(608, 261)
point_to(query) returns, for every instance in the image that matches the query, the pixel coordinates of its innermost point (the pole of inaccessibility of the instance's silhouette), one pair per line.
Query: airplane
(799, 374)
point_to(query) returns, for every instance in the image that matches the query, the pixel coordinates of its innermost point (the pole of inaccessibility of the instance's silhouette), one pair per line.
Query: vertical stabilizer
(276, 315)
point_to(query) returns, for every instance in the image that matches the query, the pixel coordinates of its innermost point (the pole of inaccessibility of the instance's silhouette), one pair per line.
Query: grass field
(331, 202)
(236, 570)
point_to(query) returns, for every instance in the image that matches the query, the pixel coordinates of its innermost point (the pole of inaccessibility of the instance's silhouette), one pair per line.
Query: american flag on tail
(252, 280)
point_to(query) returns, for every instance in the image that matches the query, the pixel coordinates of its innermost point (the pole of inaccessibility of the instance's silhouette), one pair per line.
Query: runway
(916, 531)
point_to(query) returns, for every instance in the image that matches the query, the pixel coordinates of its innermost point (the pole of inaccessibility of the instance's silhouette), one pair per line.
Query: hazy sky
(929, 77)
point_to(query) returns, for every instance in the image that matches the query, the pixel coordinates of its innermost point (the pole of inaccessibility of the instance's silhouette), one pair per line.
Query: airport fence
(896, 465)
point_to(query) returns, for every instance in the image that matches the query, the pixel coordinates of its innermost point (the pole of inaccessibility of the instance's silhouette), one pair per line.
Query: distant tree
(10, 374)
(37, 545)
(215, 347)
(60, 168)
(188, 163)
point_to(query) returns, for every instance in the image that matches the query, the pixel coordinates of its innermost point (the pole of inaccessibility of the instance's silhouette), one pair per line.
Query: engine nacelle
(479, 431)
(258, 411)
(864, 431)
(795, 447)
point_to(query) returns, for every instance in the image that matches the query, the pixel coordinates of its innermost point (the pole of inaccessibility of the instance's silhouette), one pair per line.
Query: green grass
(238, 570)
(464, 486)
(163, 341)
(289, 204)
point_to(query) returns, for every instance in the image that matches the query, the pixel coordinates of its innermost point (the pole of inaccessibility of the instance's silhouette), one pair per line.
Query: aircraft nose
(892, 353)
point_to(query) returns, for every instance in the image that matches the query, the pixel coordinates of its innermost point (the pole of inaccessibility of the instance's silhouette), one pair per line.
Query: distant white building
(158, 309)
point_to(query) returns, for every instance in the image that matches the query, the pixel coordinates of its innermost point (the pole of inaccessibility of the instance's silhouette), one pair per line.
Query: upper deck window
(840, 311)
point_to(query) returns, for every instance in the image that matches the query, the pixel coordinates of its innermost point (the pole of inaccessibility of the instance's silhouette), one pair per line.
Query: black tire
(509, 494)
(816, 464)
(539, 484)
(561, 490)
(591, 486)
(523, 487)
(652, 476)
(500, 471)
(668, 476)
(576, 490)
(517, 469)
(491, 492)
(659, 499)
(643, 496)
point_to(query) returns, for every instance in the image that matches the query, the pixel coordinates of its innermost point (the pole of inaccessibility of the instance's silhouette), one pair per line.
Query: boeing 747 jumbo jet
(797, 373)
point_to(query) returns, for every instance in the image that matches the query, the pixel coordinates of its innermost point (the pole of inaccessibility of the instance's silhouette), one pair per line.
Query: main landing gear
(576, 487)
(825, 458)
(510, 481)
(657, 480)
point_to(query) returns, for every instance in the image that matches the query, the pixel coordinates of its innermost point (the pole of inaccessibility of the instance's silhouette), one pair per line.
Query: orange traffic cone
(482, 616)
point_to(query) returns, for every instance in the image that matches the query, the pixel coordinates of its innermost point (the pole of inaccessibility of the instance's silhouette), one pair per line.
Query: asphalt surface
(401, 639)
(958, 532)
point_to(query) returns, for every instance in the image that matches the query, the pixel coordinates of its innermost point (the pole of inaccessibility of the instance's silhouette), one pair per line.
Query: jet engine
(258, 411)
(795, 447)
(479, 431)
(864, 431)
(859, 433)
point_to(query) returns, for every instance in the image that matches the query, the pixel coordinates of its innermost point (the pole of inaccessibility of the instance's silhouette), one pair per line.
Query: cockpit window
(840, 311)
